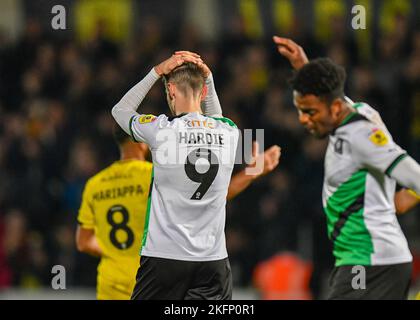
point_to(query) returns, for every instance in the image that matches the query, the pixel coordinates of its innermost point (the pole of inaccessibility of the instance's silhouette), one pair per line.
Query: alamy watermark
(359, 280)
(58, 21)
(359, 19)
(58, 281)
(201, 148)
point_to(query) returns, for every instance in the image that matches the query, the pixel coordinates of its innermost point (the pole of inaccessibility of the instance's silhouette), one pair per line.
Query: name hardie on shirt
(175, 145)
(188, 137)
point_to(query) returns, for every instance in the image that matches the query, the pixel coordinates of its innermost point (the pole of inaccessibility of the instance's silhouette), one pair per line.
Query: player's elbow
(404, 208)
(230, 195)
(121, 117)
(400, 209)
(81, 245)
(114, 111)
(82, 241)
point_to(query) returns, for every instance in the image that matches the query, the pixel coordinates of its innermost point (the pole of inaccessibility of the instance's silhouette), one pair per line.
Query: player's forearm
(405, 200)
(407, 174)
(211, 105)
(86, 242)
(239, 183)
(92, 248)
(126, 108)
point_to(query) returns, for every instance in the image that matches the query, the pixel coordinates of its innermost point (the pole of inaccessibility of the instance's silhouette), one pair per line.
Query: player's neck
(347, 110)
(187, 105)
(131, 155)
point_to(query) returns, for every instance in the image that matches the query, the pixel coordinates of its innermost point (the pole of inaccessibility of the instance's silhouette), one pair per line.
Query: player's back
(117, 198)
(193, 158)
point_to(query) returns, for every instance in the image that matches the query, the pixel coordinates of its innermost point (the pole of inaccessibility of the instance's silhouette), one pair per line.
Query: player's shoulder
(132, 170)
(140, 165)
(353, 123)
(94, 182)
(369, 135)
(368, 112)
(149, 118)
(99, 177)
(189, 119)
(119, 168)
(361, 106)
(224, 121)
(122, 167)
(355, 128)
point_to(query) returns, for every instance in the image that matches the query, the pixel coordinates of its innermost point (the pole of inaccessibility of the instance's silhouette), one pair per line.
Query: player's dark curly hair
(187, 76)
(322, 78)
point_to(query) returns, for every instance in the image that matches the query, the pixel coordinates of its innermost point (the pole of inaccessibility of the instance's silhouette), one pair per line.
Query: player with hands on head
(183, 253)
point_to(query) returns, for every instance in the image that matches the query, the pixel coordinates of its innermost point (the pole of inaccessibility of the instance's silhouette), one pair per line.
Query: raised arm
(211, 105)
(406, 171)
(126, 108)
(291, 51)
(405, 200)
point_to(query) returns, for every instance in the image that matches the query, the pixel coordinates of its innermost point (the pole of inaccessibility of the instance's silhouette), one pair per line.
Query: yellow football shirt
(114, 204)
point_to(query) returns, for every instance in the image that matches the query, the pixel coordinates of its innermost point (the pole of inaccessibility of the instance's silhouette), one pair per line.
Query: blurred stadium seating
(57, 88)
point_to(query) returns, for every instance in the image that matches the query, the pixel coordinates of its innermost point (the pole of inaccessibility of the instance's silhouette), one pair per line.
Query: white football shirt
(193, 158)
(358, 192)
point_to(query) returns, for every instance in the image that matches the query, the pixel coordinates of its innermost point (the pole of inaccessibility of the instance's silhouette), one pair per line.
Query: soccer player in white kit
(362, 166)
(183, 254)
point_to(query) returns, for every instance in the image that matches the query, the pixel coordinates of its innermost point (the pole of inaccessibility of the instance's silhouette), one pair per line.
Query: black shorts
(166, 279)
(390, 282)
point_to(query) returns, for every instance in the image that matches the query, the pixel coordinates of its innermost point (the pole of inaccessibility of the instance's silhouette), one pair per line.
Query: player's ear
(203, 93)
(170, 87)
(336, 108)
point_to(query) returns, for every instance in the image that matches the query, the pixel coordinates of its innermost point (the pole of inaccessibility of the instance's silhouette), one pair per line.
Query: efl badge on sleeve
(147, 118)
(378, 137)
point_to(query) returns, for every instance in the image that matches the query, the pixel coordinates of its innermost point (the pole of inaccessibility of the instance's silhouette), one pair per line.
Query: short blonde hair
(188, 77)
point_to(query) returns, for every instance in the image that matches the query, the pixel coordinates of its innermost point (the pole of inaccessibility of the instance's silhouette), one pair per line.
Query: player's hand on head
(187, 53)
(291, 51)
(206, 70)
(174, 61)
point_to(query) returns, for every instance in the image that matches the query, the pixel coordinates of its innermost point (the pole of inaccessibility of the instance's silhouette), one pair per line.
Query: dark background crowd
(57, 88)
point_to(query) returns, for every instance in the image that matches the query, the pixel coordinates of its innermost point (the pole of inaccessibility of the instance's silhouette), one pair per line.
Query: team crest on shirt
(147, 118)
(338, 146)
(378, 137)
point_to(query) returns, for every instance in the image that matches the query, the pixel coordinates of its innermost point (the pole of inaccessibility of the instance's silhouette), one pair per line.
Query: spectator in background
(57, 119)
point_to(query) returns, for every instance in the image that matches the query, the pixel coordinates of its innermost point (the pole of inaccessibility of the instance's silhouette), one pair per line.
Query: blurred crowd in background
(57, 89)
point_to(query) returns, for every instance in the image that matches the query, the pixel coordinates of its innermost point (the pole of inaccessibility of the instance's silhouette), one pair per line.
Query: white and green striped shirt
(358, 193)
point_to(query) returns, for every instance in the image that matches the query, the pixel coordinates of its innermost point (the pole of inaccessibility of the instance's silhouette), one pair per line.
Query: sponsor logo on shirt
(199, 124)
(378, 137)
(338, 146)
(147, 118)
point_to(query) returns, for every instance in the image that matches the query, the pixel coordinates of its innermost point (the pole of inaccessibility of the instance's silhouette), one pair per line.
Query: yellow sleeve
(86, 217)
(414, 194)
